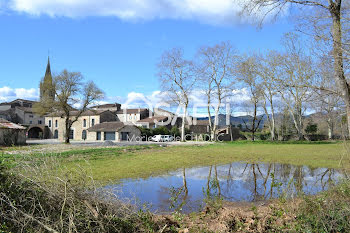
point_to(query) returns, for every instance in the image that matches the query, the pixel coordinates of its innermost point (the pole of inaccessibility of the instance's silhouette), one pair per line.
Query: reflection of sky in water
(236, 182)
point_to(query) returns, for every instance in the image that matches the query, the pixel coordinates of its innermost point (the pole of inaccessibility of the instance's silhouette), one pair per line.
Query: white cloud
(207, 11)
(8, 94)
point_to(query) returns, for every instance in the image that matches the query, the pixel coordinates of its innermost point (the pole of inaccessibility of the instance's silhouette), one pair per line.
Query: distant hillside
(235, 121)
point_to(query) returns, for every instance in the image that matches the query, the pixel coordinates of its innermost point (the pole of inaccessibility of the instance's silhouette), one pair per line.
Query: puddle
(187, 189)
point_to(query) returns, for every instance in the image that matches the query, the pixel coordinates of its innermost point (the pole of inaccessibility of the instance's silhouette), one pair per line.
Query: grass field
(111, 164)
(327, 212)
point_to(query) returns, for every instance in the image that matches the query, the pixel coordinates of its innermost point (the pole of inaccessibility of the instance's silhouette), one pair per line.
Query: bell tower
(46, 84)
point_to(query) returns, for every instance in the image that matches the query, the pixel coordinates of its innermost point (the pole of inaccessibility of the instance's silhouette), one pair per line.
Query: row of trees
(274, 81)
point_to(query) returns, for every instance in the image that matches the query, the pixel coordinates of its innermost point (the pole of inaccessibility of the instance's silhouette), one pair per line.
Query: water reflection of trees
(264, 181)
(178, 196)
(213, 189)
(249, 182)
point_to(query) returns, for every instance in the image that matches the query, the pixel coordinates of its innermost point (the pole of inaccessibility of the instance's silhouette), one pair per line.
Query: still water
(187, 189)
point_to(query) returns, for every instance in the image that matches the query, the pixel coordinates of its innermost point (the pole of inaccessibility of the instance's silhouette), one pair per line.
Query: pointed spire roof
(48, 68)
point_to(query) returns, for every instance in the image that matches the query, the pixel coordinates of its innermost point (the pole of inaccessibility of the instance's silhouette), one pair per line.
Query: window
(40, 122)
(49, 123)
(98, 136)
(110, 136)
(130, 117)
(30, 122)
(71, 134)
(55, 136)
(84, 123)
(31, 116)
(83, 136)
(56, 123)
(93, 122)
(135, 117)
(125, 136)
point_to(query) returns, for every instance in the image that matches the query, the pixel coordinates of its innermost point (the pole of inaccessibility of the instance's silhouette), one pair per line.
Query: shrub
(162, 130)
(327, 212)
(175, 131)
(311, 128)
(46, 202)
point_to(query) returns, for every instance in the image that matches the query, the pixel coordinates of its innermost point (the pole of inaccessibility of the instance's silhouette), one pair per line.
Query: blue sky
(119, 54)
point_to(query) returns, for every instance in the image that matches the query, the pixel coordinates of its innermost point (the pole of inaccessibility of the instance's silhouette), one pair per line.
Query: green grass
(117, 163)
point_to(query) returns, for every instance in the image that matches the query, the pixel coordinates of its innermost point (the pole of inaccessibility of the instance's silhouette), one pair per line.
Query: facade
(11, 133)
(111, 107)
(20, 111)
(26, 116)
(160, 117)
(132, 115)
(201, 127)
(153, 122)
(79, 130)
(114, 131)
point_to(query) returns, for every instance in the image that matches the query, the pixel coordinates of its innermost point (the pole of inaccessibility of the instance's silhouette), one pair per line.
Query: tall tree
(326, 101)
(70, 90)
(249, 76)
(177, 80)
(334, 10)
(294, 83)
(215, 65)
(268, 69)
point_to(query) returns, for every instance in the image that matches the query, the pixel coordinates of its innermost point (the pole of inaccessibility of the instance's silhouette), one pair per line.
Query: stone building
(79, 130)
(11, 133)
(114, 131)
(199, 127)
(20, 111)
(132, 115)
(111, 107)
(153, 122)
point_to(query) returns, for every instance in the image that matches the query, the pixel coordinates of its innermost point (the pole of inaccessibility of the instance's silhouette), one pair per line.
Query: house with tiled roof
(56, 123)
(114, 131)
(11, 133)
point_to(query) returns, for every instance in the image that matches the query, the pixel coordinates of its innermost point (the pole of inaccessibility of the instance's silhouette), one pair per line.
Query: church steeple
(46, 85)
(48, 69)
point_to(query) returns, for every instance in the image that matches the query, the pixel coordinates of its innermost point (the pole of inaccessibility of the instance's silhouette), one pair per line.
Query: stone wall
(11, 137)
(77, 126)
(133, 131)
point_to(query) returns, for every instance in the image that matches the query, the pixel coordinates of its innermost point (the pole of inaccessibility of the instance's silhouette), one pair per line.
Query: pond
(187, 189)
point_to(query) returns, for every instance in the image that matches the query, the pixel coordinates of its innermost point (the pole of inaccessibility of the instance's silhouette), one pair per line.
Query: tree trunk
(338, 58)
(183, 124)
(209, 116)
(67, 133)
(273, 123)
(216, 121)
(330, 128)
(298, 125)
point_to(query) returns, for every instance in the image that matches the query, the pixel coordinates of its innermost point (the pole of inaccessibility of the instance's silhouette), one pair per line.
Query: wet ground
(189, 189)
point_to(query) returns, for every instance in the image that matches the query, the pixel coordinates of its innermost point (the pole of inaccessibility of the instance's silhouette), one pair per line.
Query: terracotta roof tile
(4, 124)
(113, 126)
(152, 119)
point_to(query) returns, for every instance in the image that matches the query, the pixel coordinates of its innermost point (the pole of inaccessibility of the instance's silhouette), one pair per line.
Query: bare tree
(177, 80)
(334, 10)
(268, 70)
(214, 70)
(70, 90)
(326, 102)
(248, 75)
(295, 80)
